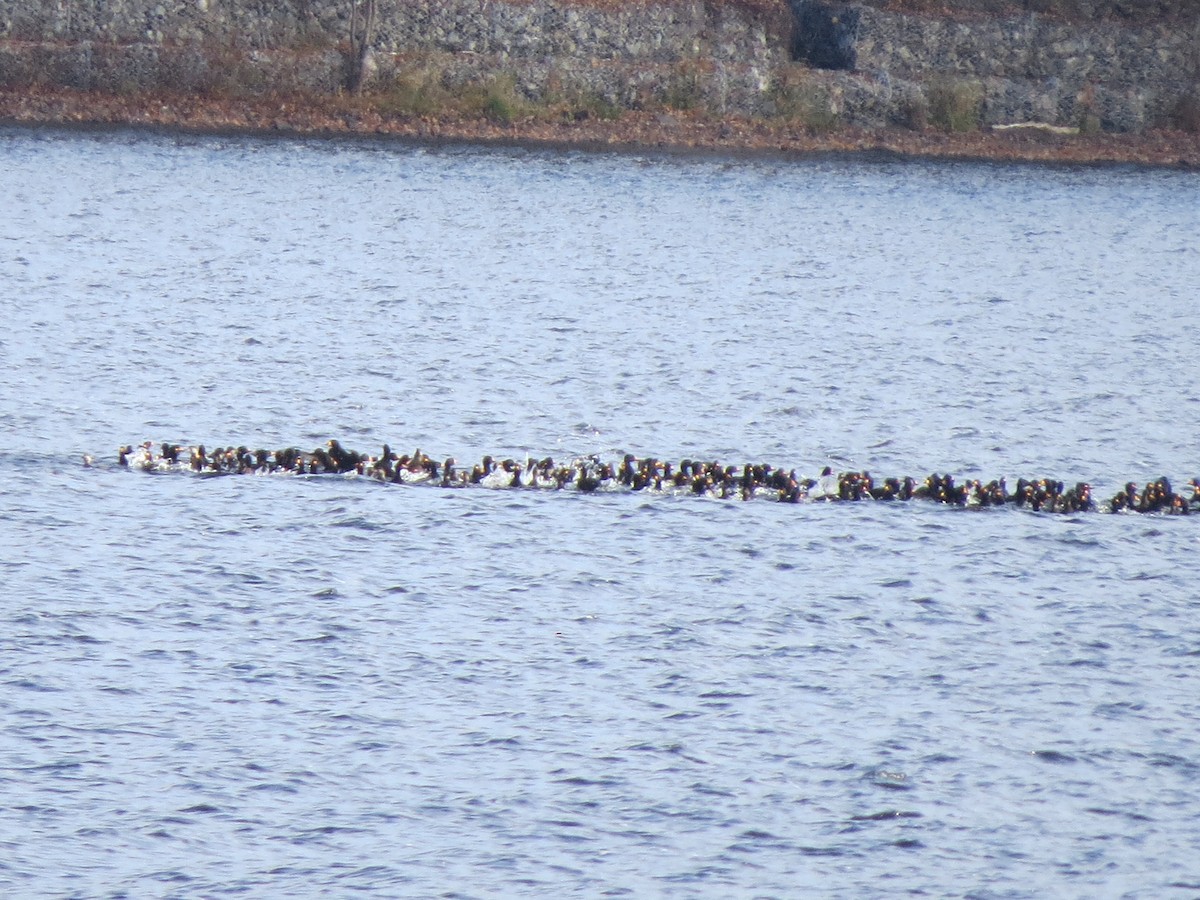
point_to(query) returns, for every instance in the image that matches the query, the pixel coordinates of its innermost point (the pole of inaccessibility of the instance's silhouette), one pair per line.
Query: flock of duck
(691, 477)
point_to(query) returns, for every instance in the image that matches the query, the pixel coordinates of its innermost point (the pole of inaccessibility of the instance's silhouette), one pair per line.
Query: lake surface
(324, 685)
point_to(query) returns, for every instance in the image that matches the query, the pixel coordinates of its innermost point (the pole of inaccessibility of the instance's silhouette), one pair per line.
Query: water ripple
(288, 686)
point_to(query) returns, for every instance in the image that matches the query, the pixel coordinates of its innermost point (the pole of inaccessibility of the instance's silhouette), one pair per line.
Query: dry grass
(955, 104)
(349, 115)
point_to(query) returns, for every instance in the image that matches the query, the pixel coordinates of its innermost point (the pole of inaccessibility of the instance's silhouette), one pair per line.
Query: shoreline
(666, 131)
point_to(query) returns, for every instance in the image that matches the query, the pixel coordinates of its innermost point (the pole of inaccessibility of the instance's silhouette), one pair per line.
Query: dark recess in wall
(823, 34)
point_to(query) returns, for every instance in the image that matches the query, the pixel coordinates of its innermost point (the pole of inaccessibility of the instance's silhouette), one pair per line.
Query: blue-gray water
(302, 686)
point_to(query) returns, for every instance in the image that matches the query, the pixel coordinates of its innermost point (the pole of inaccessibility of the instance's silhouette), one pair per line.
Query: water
(274, 685)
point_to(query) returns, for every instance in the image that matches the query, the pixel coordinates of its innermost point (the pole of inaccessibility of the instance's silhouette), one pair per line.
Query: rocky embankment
(1067, 80)
(632, 131)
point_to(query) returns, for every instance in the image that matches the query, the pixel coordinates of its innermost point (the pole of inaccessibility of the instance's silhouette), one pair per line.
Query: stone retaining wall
(822, 63)
(1024, 68)
(538, 28)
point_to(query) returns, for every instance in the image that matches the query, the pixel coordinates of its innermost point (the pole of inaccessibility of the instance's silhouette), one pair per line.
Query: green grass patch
(418, 92)
(684, 87)
(797, 98)
(955, 104)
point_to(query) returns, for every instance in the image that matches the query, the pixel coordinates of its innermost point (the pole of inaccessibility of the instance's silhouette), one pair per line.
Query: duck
(1194, 484)
(198, 459)
(587, 481)
(140, 457)
(416, 469)
(502, 475)
(340, 459)
(827, 486)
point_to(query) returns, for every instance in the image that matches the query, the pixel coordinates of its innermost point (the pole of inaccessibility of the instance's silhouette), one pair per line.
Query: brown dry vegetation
(661, 130)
